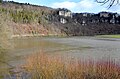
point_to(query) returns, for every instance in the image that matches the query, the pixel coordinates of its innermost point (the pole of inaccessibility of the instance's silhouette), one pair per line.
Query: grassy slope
(109, 36)
(29, 19)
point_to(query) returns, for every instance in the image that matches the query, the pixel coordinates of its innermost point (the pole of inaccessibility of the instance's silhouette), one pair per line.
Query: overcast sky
(73, 5)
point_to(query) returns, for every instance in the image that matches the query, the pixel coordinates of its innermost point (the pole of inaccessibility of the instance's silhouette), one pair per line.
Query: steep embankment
(34, 29)
(28, 20)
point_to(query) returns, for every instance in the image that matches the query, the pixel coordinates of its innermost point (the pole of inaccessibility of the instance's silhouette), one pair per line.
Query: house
(114, 18)
(112, 21)
(117, 20)
(116, 15)
(104, 17)
(65, 12)
(85, 14)
(104, 14)
(83, 23)
(63, 20)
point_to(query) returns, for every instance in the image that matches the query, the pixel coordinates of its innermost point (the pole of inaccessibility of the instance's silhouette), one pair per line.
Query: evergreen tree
(1, 1)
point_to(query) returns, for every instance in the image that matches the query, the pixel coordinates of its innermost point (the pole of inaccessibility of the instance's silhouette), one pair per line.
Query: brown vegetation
(29, 19)
(33, 19)
(43, 66)
(5, 32)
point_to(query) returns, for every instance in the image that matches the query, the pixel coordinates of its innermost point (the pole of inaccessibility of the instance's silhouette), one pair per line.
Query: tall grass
(43, 66)
(5, 32)
(5, 45)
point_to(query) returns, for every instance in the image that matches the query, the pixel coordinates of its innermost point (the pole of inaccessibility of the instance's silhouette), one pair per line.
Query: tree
(110, 2)
(1, 1)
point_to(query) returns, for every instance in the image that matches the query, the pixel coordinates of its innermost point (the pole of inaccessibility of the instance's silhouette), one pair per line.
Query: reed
(43, 66)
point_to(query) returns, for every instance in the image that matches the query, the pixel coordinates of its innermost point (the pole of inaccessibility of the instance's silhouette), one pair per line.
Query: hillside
(26, 20)
(29, 19)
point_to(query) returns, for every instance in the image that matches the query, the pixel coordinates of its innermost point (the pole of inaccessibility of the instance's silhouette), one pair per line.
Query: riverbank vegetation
(109, 36)
(5, 45)
(5, 33)
(43, 66)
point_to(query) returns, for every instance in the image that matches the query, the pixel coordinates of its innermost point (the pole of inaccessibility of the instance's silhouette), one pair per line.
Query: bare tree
(110, 2)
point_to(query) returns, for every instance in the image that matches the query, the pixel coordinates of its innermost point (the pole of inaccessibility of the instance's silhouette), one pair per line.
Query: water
(76, 47)
(97, 47)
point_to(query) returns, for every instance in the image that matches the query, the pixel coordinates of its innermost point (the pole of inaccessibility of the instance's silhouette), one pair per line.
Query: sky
(76, 6)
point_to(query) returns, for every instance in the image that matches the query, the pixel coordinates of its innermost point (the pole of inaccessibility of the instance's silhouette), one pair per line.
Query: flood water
(76, 47)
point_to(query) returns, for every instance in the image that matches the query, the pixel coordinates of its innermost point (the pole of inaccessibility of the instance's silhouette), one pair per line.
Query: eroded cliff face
(35, 30)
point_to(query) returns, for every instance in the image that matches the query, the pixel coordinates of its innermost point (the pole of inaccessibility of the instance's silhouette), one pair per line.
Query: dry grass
(43, 66)
(109, 36)
(5, 45)
(5, 32)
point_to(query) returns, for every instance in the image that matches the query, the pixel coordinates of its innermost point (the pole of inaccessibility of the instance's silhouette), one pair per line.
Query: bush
(43, 66)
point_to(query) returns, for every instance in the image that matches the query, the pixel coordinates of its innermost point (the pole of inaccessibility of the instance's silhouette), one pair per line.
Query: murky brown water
(97, 47)
(77, 47)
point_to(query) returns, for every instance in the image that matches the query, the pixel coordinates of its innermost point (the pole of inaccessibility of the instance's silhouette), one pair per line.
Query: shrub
(43, 66)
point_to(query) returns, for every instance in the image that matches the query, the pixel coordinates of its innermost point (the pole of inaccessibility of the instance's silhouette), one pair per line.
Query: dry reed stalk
(43, 66)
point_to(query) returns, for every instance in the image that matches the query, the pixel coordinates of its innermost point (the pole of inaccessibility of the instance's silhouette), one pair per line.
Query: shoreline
(37, 35)
(61, 35)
